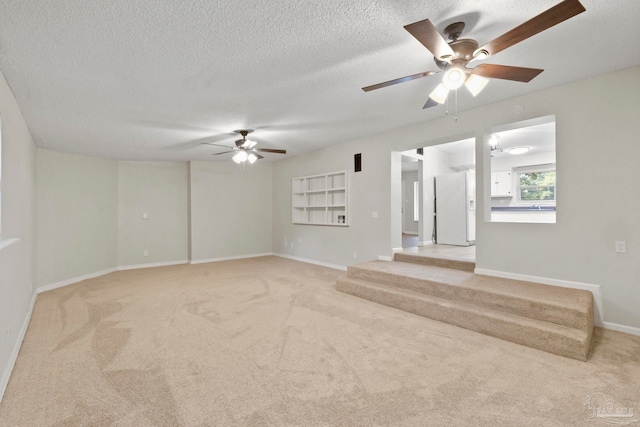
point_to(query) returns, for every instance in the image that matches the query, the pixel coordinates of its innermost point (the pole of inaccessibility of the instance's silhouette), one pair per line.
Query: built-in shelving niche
(320, 199)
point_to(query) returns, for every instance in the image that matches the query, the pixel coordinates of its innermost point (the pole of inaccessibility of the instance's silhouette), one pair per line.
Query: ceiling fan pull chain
(456, 107)
(446, 110)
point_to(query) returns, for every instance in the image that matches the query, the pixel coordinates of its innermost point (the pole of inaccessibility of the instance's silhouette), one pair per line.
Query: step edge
(580, 313)
(449, 302)
(584, 293)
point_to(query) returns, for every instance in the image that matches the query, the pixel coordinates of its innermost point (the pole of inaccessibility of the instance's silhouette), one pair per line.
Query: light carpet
(269, 341)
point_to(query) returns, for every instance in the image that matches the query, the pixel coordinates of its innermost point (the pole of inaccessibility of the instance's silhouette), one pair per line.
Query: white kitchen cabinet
(320, 199)
(501, 184)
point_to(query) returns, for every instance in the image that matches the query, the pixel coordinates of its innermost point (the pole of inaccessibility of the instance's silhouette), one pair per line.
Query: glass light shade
(475, 84)
(439, 94)
(518, 150)
(453, 78)
(252, 158)
(240, 156)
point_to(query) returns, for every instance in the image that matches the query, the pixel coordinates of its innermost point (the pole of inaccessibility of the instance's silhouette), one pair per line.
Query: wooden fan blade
(506, 72)
(224, 152)
(427, 34)
(270, 150)
(430, 103)
(547, 19)
(217, 145)
(400, 80)
(259, 156)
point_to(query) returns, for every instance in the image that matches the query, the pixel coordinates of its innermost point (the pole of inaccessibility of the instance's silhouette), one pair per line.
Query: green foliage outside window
(538, 186)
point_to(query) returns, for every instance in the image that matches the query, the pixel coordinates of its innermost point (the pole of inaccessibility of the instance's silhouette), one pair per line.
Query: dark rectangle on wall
(420, 150)
(357, 162)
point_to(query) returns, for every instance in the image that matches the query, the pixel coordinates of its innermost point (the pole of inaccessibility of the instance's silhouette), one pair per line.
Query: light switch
(145, 216)
(621, 246)
(374, 214)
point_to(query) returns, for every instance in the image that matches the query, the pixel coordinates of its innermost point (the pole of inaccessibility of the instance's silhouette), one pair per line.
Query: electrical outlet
(146, 253)
(300, 240)
(621, 246)
(355, 255)
(374, 214)
(145, 216)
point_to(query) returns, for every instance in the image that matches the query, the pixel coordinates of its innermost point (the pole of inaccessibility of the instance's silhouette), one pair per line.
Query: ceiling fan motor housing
(464, 50)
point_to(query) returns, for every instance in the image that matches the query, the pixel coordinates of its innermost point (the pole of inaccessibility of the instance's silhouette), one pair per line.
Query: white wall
(231, 210)
(77, 216)
(17, 244)
(597, 143)
(158, 189)
(367, 236)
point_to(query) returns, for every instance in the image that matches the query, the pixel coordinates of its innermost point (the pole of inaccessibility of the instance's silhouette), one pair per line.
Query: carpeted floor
(269, 341)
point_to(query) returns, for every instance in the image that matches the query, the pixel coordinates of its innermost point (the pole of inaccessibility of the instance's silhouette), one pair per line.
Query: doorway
(447, 158)
(411, 195)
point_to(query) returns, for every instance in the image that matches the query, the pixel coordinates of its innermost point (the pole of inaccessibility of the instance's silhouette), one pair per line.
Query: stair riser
(517, 333)
(436, 262)
(535, 310)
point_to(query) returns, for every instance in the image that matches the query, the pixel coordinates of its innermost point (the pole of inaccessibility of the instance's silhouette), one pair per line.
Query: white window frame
(536, 168)
(416, 201)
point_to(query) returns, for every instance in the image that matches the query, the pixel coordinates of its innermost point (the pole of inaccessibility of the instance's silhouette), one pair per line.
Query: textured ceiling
(151, 79)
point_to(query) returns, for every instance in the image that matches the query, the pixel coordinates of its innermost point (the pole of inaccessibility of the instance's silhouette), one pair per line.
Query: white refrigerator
(455, 211)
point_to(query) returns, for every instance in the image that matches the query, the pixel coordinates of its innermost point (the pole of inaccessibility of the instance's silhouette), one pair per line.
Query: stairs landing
(549, 318)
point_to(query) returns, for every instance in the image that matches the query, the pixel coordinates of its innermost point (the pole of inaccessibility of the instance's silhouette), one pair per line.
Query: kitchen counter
(535, 208)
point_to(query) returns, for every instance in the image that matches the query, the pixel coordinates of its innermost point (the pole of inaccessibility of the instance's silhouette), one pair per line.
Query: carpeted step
(562, 306)
(417, 258)
(538, 334)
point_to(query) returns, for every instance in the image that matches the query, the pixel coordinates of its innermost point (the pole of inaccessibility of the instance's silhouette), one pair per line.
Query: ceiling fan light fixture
(249, 144)
(240, 156)
(494, 143)
(454, 77)
(252, 158)
(475, 84)
(439, 94)
(518, 150)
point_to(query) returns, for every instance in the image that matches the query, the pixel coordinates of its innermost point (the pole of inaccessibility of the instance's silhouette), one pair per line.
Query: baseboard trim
(596, 290)
(68, 282)
(385, 258)
(311, 261)
(151, 265)
(622, 328)
(229, 258)
(6, 375)
(425, 243)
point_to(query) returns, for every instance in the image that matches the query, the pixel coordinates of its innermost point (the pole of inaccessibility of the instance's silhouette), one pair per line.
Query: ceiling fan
(245, 149)
(453, 57)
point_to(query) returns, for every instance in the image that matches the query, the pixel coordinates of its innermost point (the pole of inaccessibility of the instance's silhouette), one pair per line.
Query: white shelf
(320, 199)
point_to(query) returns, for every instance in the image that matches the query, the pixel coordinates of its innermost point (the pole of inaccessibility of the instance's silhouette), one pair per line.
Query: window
(537, 186)
(416, 201)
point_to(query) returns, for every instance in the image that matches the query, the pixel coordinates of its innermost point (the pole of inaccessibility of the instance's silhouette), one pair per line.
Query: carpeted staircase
(549, 318)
